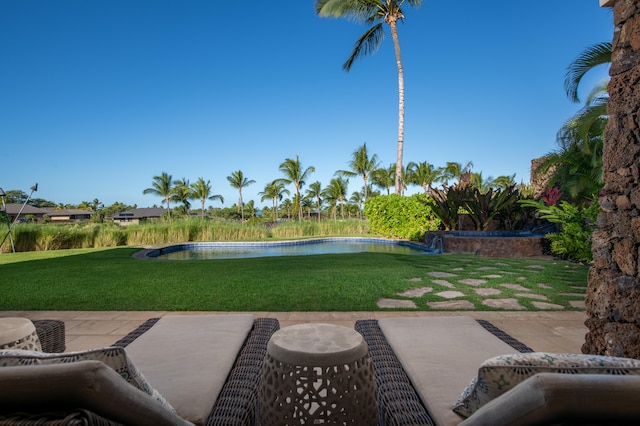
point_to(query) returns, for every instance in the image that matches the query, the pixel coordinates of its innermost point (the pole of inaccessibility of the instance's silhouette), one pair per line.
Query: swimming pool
(237, 250)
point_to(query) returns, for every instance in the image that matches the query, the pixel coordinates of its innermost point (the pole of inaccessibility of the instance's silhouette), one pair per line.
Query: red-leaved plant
(551, 196)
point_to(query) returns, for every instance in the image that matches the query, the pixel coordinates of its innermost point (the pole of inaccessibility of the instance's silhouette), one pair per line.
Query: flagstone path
(493, 289)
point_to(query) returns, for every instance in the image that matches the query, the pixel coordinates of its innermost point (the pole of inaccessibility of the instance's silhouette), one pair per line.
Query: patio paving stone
(443, 283)
(545, 305)
(416, 292)
(487, 291)
(516, 287)
(451, 305)
(579, 304)
(532, 296)
(397, 303)
(438, 274)
(473, 281)
(507, 304)
(450, 294)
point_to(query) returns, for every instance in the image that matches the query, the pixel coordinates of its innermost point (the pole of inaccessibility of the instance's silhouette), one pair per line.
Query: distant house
(70, 215)
(136, 216)
(13, 209)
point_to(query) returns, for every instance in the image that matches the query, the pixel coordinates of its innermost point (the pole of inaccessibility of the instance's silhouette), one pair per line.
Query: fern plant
(576, 227)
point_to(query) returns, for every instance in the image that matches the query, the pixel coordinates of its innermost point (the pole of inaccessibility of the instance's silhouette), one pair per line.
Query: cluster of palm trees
(375, 178)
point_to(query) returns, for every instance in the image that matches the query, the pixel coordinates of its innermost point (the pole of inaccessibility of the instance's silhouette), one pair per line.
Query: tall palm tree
(250, 206)
(287, 206)
(361, 165)
(357, 198)
(384, 178)
(163, 186)
(202, 191)
(296, 174)
(455, 170)
(423, 174)
(274, 191)
(376, 12)
(315, 192)
(182, 194)
(336, 192)
(238, 181)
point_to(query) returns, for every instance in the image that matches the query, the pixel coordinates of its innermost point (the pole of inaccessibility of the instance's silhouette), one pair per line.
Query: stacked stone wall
(613, 297)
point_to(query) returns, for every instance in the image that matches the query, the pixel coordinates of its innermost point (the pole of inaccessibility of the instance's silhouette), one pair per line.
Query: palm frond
(593, 56)
(367, 44)
(589, 122)
(598, 91)
(357, 10)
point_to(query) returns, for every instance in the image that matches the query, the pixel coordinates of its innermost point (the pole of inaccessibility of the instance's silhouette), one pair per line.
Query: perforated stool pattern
(18, 333)
(335, 392)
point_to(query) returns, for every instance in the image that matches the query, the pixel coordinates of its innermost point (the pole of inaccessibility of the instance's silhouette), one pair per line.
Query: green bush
(573, 241)
(394, 216)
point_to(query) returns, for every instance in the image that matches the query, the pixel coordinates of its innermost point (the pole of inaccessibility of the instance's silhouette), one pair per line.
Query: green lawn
(110, 279)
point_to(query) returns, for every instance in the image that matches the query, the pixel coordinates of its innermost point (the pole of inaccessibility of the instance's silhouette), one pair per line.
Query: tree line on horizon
(375, 180)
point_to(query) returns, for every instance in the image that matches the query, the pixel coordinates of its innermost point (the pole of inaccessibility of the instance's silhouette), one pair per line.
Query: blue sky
(99, 96)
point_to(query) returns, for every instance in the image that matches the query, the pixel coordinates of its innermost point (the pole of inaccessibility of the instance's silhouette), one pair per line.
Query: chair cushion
(502, 373)
(556, 398)
(64, 389)
(188, 358)
(442, 353)
(113, 357)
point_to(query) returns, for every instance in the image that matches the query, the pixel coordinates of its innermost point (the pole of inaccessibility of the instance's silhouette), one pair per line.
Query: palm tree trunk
(168, 208)
(240, 204)
(396, 46)
(364, 179)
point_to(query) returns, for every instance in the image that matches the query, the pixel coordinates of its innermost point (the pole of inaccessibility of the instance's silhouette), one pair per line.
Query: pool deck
(544, 331)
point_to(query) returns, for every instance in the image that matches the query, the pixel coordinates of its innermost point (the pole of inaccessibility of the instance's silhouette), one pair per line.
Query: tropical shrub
(481, 206)
(446, 205)
(573, 241)
(484, 206)
(394, 216)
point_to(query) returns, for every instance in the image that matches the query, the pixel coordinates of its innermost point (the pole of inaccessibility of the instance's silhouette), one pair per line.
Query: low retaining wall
(486, 244)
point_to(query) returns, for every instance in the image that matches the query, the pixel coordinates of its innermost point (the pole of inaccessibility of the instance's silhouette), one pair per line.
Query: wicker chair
(237, 403)
(51, 334)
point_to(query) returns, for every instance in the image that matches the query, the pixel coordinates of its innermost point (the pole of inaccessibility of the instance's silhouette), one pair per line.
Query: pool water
(226, 250)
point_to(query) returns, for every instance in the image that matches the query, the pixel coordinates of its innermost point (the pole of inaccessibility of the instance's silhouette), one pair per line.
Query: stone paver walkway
(493, 288)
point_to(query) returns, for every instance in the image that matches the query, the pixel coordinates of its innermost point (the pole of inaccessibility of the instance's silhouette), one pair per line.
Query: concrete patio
(544, 331)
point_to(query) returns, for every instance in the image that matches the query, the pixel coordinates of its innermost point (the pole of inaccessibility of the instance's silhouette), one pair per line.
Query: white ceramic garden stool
(317, 374)
(18, 333)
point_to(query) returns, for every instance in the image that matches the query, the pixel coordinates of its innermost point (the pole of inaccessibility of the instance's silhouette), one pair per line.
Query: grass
(110, 279)
(52, 236)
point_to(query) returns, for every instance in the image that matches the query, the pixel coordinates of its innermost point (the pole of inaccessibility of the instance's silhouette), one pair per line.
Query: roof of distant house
(69, 212)
(140, 213)
(14, 208)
